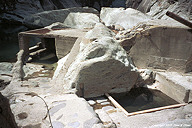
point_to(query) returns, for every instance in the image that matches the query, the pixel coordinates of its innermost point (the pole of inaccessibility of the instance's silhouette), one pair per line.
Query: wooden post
(179, 19)
(24, 45)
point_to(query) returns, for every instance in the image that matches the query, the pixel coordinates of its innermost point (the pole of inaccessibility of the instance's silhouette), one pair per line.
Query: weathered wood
(179, 19)
(116, 104)
(156, 109)
(38, 52)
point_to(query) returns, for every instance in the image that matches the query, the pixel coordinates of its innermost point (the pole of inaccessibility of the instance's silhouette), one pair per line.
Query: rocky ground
(123, 49)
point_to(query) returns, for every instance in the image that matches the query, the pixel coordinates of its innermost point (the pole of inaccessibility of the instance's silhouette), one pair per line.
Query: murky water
(142, 99)
(9, 46)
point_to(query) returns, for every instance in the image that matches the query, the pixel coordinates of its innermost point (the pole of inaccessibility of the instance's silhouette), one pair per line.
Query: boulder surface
(101, 66)
(160, 44)
(126, 18)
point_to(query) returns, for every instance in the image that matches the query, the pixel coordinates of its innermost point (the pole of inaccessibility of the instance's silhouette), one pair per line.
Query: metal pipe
(179, 19)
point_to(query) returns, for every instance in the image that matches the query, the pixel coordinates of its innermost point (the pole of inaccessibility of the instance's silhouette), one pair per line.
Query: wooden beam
(116, 104)
(156, 109)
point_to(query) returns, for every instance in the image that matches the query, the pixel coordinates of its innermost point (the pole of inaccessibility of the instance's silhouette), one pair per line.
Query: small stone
(57, 124)
(106, 108)
(41, 74)
(22, 115)
(105, 103)
(139, 29)
(45, 71)
(101, 100)
(91, 102)
(89, 123)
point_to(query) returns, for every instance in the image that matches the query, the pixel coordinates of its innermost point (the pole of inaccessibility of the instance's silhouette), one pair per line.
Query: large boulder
(126, 18)
(47, 18)
(81, 20)
(160, 44)
(101, 66)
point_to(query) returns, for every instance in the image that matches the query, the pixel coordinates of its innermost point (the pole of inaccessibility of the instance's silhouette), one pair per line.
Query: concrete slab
(175, 85)
(64, 38)
(71, 111)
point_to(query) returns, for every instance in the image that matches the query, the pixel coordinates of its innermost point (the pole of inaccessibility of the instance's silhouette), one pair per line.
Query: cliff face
(12, 11)
(16, 10)
(158, 8)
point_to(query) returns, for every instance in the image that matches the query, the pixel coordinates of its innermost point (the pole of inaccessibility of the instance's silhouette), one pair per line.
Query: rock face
(158, 44)
(17, 10)
(18, 73)
(125, 18)
(158, 8)
(100, 66)
(49, 17)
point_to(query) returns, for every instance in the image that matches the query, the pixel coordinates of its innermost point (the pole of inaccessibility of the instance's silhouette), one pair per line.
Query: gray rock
(105, 103)
(17, 10)
(107, 108)
(76, 113)
(91, 102)
(90, 123)
(106, 120)
(101, 66)
(6, 68)
(17, 71)
(125, 18)
(181, 7)
(81, 20)
(101, 100)
(161, 46)
(47, 18)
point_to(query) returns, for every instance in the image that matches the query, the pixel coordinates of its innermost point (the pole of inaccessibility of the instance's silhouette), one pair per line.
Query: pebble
(45, 71)
(101, 100)
(139, 29)
(106, 108)
(91, 102)
(105, 103)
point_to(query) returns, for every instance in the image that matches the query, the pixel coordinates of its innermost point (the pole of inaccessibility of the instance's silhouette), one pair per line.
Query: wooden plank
(116, 104)
(156, 109)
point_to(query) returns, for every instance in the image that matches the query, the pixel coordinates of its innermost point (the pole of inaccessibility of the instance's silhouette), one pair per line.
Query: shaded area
(6, 116)
(3, 84)
(9, 45)
(143, 98)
